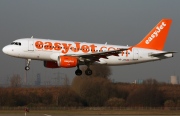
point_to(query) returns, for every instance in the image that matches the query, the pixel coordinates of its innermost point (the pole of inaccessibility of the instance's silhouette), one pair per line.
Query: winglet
(156, 38)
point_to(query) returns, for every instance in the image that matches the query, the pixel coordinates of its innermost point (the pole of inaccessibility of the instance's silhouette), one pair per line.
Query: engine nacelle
(67, 61)
(63, 61)
(51, 64)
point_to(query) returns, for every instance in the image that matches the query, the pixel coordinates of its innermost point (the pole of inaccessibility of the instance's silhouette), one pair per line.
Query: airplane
(68, 54)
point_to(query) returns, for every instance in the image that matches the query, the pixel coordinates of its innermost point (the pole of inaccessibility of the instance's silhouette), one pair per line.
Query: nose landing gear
(27, 65)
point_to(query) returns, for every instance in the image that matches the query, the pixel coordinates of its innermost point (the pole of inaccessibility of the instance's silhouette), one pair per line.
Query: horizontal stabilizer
(161, 54)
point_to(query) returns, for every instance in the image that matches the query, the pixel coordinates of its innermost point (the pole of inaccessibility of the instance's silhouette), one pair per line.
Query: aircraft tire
(27, 68)
(78, 72)
(88, 72)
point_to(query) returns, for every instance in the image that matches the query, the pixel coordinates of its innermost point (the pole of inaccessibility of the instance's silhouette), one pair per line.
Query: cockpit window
(16, 43)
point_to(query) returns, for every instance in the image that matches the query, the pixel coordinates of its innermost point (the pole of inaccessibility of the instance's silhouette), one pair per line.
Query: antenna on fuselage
(106, 43)
(32, 37)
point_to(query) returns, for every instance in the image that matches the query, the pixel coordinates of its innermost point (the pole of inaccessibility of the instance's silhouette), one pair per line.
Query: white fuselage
(49, 50)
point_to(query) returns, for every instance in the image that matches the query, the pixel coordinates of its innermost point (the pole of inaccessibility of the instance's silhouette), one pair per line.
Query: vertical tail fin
(156, 38)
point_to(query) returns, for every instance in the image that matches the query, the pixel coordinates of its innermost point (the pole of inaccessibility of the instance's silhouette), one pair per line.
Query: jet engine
(63, 61)
(67, 61)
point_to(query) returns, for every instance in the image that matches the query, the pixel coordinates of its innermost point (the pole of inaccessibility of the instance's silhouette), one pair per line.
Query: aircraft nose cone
(5, 49)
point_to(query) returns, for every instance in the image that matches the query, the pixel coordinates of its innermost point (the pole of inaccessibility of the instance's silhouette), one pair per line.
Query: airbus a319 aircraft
(67, 54)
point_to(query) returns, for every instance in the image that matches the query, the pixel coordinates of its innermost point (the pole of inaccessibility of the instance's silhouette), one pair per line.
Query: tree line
(94, 91)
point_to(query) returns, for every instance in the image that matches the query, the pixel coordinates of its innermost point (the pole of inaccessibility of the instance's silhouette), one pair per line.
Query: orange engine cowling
(67, 61)
(51, 64)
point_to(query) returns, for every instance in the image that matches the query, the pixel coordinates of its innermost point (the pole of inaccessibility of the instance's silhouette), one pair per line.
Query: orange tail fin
(156, 38)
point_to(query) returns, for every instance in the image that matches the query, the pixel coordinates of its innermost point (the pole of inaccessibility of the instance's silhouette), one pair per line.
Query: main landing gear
(78, 72)
(88, 71)
(27, 65)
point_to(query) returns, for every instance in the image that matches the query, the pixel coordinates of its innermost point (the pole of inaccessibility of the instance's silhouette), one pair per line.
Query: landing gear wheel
(78, 72)
(27, 68)
(27, 65)
(88, 72)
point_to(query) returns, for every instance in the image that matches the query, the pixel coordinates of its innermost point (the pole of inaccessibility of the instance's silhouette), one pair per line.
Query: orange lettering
(39, 44)
(93, 48)
(66, 47)
(48, 46)
(57, 46)
(111, 48)
(85, 48)
(76, 49)
(101, 49)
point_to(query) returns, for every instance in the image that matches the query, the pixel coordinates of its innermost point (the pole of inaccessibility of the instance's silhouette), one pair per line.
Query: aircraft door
(30, 45)
(135, 54)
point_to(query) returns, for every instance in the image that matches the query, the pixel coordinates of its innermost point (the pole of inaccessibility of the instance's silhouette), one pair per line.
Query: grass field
(95, 112)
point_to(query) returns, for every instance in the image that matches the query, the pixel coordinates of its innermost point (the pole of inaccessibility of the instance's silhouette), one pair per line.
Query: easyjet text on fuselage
(74, 47)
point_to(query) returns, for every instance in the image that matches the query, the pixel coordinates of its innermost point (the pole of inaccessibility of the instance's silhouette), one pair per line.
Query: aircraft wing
(97, 55)
(161, 54)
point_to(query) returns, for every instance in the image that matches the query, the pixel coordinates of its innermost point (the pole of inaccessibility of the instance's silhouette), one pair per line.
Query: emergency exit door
(30, 45)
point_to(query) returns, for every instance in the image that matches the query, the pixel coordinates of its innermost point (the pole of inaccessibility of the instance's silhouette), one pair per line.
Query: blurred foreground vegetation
(93, 91)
